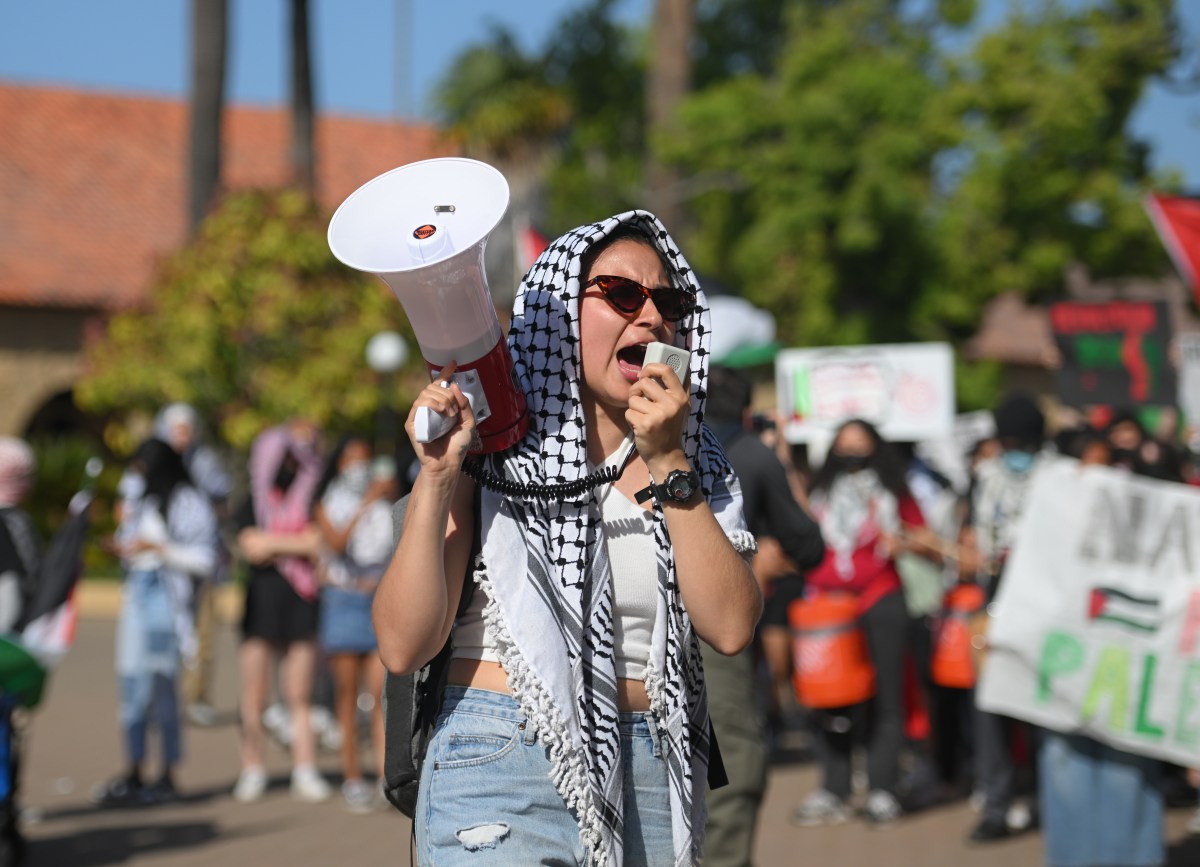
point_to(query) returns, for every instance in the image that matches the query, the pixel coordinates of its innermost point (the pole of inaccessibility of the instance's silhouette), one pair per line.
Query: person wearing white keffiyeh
(553, 582)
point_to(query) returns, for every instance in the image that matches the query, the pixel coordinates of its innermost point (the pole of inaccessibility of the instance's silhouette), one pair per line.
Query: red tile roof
(93, 187)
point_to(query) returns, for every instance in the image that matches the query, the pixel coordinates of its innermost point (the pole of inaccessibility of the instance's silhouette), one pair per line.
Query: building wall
(40, 356)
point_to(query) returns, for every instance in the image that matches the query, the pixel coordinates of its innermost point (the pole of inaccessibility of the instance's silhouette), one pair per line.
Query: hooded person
(998, 497)
(580, 646)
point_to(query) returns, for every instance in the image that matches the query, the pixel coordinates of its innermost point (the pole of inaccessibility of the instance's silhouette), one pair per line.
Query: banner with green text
(1096, 627)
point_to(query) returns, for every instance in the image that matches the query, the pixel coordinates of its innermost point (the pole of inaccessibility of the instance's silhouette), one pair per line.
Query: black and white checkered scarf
(547, 576)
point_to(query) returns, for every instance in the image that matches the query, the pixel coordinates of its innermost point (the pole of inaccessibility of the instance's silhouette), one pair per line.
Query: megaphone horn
(423, 228)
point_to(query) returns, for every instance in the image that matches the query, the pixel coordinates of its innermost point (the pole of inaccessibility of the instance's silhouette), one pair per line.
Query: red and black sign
(1114, 353)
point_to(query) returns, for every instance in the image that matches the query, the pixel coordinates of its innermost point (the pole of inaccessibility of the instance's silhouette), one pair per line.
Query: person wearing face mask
(353, 512)
(280, 543)
(165, 537)
(1133, 449)
(867, 517)
(995, 503)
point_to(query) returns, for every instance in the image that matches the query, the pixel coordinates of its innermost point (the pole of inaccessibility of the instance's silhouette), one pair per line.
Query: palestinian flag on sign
(1110, 605)
(1177, 219)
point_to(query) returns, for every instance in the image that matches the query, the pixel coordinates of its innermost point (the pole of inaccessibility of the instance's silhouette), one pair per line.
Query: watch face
(680, 486)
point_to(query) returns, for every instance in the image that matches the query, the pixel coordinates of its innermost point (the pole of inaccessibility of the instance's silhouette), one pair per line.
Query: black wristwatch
(679, 487)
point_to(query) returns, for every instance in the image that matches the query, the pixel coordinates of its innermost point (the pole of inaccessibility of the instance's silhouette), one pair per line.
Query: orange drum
(954, 654)
(829, 648)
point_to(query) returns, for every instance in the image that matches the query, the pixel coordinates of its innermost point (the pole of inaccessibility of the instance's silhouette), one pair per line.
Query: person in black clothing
(773, 514)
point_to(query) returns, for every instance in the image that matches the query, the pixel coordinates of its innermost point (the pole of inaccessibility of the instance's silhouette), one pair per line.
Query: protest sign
(905, 390)
(1096, 627)
(1114, 353)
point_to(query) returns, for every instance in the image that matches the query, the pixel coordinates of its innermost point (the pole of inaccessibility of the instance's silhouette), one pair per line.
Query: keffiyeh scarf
(546, 573)
(853, 513)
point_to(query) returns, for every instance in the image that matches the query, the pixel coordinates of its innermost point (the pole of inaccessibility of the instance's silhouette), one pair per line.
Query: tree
(303, 154)
(209, 38)
(878, 188)
(826, 174)
(1049, 172)
(667, 83)
(251, 323)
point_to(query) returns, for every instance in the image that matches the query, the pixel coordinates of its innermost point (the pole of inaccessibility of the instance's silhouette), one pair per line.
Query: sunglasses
(629, 297)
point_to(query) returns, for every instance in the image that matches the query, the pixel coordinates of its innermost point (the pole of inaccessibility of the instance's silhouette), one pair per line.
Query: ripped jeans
(486, 796)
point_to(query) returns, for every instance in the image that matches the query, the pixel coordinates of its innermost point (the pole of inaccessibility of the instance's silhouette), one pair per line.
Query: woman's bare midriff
(478, 674)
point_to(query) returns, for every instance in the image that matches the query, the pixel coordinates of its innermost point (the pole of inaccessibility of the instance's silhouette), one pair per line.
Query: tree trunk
(667, 84)
(303, 156)
(209, 38)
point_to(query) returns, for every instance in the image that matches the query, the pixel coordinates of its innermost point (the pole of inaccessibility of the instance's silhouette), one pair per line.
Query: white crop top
(629, 541)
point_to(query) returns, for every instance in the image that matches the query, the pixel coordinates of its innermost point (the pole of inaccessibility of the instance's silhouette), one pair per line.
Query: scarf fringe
(743, 542)
(569, 772)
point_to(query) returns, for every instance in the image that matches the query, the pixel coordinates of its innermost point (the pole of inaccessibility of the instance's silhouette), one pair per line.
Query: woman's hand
(658, 408)
(446, 453)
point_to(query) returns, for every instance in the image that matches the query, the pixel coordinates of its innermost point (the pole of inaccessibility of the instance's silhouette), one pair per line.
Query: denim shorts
(345, 624)
(486, 797)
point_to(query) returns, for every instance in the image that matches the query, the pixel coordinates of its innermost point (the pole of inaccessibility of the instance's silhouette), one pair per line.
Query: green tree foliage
(875, 186)
(253, 322)
(877, 170)
(498, 102)
(1050, 173)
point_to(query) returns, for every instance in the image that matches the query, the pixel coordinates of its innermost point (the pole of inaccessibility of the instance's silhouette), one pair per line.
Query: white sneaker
(1019, 816)
(308, 785)
(278, 723)
(251, 785)
(202, 714)
(359, 796)
(822, 807)
(882, 809)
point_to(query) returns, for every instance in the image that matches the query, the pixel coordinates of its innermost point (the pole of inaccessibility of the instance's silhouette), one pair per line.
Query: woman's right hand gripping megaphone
(443, 397)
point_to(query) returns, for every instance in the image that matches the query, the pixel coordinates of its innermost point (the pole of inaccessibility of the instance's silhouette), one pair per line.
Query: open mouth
(630, 360)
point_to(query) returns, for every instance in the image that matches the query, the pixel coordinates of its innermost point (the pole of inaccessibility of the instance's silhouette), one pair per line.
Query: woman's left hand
(658, 408)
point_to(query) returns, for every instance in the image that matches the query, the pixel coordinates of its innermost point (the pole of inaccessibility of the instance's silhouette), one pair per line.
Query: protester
(164, 538)
(733, 698)
(575, 729)
(997, 501)
(20, 549)
(354, 512)
(281, 545)
(1101, 805)
(867, 517)
(178, 425)
(1135, 450)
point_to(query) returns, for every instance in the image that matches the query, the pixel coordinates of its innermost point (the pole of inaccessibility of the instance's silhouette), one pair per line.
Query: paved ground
(74, 744)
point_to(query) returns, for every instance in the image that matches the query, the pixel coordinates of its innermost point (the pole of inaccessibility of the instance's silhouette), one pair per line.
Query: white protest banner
(1097, 622)
(905, 389)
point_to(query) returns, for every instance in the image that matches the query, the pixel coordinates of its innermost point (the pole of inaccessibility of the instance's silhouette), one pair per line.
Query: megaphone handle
(429, 425)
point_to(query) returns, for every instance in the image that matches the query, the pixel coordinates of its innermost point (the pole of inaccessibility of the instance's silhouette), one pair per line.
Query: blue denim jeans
(486, 796)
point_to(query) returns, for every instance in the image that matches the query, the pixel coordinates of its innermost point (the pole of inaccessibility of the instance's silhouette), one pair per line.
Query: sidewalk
(101, 598)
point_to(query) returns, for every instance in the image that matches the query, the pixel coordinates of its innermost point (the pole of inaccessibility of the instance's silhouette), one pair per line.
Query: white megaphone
(422, 228)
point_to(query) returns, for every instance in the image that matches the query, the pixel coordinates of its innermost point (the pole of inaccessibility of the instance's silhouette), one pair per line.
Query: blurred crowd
(877, 572)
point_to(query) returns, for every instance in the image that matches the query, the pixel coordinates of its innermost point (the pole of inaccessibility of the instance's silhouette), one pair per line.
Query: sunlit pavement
(73, 744)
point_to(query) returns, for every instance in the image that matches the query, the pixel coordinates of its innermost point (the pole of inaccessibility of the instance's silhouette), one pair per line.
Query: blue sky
(141, 46)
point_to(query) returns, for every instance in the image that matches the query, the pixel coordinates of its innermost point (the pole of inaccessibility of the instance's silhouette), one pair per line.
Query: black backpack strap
(411, 702)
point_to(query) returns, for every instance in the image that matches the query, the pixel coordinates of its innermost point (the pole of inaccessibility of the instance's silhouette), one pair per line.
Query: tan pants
(197, 681)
